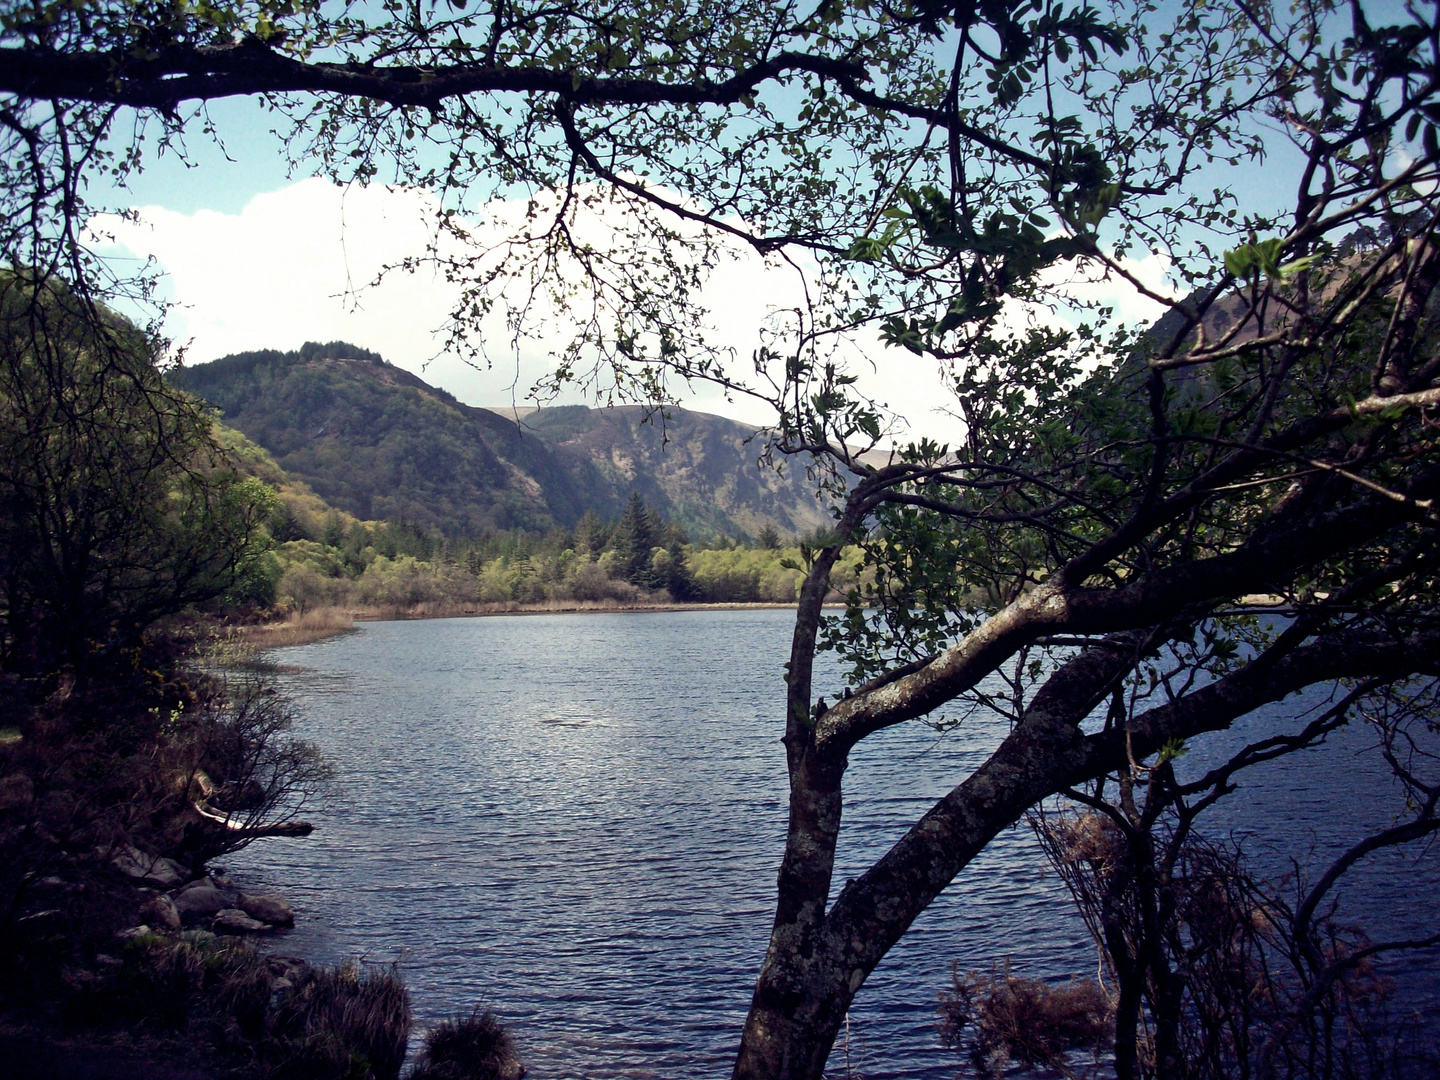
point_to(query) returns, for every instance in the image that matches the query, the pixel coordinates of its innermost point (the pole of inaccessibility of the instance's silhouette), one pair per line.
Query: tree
(116, 507)
(679, 580)
(1087, 560)
(1217, 973)
(633, 538)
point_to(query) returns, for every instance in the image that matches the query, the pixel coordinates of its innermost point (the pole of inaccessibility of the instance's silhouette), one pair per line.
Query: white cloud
(287, 268)
(296, 265)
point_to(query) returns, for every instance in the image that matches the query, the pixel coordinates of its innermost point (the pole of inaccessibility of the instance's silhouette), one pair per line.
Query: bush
(341, 1024)
(307, 588)
(1025, 1021)
(476, 1047)
(593, 583)
(169, 983)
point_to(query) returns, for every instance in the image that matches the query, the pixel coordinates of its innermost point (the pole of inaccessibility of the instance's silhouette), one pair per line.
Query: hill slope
(696, 468)
(382, 443)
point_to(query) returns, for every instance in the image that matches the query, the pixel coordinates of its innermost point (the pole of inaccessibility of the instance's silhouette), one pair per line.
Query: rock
(148, 869)
(289, 968)
(286, 973)
(268, 907)
(235, 921)
(133, 933)
(106, 961)
(201, 899)
(160, 911)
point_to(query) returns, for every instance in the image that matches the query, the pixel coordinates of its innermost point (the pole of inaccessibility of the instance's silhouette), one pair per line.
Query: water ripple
(578, 820)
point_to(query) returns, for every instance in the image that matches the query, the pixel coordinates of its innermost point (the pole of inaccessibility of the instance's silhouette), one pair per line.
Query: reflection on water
(577, 821)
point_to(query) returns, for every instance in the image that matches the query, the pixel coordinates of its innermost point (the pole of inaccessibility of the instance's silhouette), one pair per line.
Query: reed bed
(298, 629)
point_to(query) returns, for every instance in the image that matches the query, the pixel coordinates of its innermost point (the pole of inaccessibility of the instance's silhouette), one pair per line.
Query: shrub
(342, 1023)
(170, 982)
(1025, 1021)
(158, 983)
(477, 1047)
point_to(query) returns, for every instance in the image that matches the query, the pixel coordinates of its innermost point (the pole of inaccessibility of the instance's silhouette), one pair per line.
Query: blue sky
(257, 255)
(221, 179)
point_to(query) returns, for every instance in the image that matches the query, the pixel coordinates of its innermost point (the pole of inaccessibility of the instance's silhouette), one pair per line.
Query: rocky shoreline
(213, 901)
(210, 903)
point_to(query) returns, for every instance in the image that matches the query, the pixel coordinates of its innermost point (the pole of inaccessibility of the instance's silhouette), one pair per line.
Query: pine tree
(333, 533)
(591, 534)
(634, 537)
(678, 579)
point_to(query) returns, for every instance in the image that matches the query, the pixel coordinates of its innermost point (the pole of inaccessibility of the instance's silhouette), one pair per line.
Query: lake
(576, 820)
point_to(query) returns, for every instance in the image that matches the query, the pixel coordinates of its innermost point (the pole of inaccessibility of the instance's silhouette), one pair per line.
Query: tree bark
(818, 960)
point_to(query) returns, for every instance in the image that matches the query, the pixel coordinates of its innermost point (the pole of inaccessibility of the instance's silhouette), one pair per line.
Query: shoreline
(324, 623)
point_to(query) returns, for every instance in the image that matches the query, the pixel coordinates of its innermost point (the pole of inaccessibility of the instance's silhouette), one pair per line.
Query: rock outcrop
(148, 869)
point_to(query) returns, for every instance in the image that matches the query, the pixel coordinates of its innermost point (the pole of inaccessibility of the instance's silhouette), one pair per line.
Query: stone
(201, 899)
(148, 869)
(235, 921)
(290, 968)
(268, 907)
(133, 933)
(160, 911)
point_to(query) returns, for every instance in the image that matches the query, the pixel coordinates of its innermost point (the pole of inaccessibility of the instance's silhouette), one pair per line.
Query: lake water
(577, 821)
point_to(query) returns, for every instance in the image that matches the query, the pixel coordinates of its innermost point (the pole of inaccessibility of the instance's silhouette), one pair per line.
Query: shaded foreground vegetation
(137, 744)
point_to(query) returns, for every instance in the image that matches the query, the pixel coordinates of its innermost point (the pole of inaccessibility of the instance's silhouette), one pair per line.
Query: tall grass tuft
(342, 1023)
(476, 1047)
(1005, 1020)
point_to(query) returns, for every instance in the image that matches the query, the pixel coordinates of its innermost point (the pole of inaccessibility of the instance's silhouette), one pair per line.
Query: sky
(254, 256)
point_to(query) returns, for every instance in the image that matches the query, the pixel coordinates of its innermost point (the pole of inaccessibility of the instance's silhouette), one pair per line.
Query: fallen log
(250, 832)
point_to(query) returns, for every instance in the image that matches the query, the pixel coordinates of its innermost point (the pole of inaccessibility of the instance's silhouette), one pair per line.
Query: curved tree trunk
(818, 959)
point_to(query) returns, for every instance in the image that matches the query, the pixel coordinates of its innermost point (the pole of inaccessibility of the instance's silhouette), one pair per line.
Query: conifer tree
(634, 539)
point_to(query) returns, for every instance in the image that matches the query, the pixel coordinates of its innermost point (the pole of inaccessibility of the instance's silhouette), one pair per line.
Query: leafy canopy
(116, 506)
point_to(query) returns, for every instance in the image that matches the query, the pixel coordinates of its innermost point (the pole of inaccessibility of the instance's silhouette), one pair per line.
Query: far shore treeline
(331, 559)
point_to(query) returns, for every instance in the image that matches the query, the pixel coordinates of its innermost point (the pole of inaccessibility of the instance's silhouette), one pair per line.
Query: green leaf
(1239, 262)
(1172, 749)
(1297, 266)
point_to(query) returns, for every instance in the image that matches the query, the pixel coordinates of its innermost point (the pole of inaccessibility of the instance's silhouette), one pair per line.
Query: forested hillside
(382, 444)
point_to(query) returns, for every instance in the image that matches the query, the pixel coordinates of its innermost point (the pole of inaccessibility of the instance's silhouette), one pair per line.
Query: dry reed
(299, 629)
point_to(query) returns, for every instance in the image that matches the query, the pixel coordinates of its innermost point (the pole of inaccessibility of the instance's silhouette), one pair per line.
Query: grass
(218, 996)
(344, 1023)
(474, 1047)
(300, 629)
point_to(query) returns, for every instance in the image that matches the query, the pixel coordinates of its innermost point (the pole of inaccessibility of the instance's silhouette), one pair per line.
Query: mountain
(383, 444)
(699, 469)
